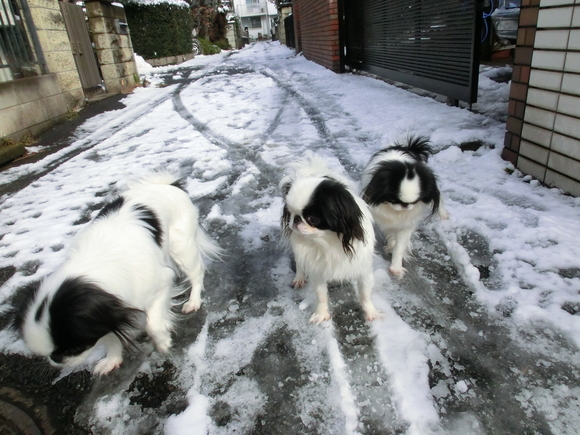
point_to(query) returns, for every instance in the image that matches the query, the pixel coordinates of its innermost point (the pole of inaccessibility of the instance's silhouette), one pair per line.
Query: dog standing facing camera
(330, 230)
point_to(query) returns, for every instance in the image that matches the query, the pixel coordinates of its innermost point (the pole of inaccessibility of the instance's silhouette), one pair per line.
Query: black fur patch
(111, 208)
(180, 184)
(385, 183)
(332, 207)
(81, 313)
(152, 223)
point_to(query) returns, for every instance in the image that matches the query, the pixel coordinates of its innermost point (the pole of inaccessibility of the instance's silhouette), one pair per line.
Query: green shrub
(223, 44)
(159, 30)
(209, 48)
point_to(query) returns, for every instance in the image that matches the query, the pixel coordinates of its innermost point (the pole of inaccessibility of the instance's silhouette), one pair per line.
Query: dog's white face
(323, 207)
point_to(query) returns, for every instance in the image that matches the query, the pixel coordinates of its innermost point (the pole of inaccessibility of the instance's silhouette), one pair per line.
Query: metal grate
(431, 44)
(17, 56)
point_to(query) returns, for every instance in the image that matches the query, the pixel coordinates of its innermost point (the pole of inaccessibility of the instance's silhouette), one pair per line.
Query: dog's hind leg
(159, 321)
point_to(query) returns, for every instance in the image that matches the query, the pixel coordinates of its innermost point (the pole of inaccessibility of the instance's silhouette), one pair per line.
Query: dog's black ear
(81, 312)
(429, 189)
(340, 212)
(285, 222)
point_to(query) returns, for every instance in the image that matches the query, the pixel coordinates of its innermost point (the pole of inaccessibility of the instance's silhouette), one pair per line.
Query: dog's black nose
(297, 220)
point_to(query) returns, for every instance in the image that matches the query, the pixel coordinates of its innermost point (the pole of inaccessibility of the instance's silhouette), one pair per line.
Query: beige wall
(57, 49)
(29, 106)
(114, 50)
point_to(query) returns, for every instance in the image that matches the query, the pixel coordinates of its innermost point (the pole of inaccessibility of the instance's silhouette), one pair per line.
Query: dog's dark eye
(312, 220)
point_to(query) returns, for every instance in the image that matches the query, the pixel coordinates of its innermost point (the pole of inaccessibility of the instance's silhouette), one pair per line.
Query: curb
(10, 152)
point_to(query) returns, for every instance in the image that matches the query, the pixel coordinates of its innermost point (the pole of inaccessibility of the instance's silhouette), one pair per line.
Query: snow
(230, 122)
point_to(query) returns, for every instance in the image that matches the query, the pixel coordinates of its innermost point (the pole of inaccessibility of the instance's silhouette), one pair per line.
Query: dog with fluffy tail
(119, 277)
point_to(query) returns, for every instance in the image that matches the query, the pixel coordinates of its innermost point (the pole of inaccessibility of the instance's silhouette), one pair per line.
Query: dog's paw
(193, 304)
(298, 283)
(107, 364)
(373, 314)
(318, 317)
(163, 344)
(443, 214)
(398, 272)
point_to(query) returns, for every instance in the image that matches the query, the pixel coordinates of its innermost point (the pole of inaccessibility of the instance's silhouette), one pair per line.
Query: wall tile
(566, 145)
(565, 165)
(544, 3)
(543, 59)
(574, 41)
(567, 125)
(534, 152)
(571, 83)
(557, 17)
(538, 135)
(552, 39)
(545, 79)
(529, 167)
(569, 105)
(566, 184)
(539, 117)
(576, 17)
(572, 62)
(544, 99)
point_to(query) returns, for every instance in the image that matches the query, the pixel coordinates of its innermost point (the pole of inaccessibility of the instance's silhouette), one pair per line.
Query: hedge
(159, 30)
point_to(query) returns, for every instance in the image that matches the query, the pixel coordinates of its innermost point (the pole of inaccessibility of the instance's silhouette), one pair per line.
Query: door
(80, 41)
(430, 44)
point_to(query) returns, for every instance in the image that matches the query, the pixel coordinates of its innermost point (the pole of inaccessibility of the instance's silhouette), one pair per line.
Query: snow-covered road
(480, 337)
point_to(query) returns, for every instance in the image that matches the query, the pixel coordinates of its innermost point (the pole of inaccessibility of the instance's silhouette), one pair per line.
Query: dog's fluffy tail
(207, 246)
(419, 146)
(163, 177)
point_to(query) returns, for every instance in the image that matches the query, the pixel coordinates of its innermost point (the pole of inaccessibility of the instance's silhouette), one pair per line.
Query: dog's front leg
(114, 356)
(322, 312)
(365, 289)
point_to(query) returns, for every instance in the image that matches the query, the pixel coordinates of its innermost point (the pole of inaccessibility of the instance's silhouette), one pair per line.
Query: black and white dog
(402, 191)
(118, 277)
(330, 230)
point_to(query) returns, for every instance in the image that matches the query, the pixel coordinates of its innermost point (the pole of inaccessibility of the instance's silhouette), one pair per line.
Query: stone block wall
(543, 126)
(114, 49)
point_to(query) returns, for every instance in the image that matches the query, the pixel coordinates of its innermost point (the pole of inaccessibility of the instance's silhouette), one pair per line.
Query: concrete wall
(543, 127)
(114, 50)
(285, 11)
(29, 106)
(56, 47)
(316, 29)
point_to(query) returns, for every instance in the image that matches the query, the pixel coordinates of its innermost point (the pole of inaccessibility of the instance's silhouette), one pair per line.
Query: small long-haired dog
(402, 191)
(330, 230)
(118, 277)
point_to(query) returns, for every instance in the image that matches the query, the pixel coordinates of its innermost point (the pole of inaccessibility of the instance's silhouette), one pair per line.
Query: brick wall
(317, 31)
(543, 126)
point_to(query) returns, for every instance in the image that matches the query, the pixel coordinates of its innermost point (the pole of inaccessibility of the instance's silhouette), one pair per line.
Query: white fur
(319, 254)
(119, 254)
